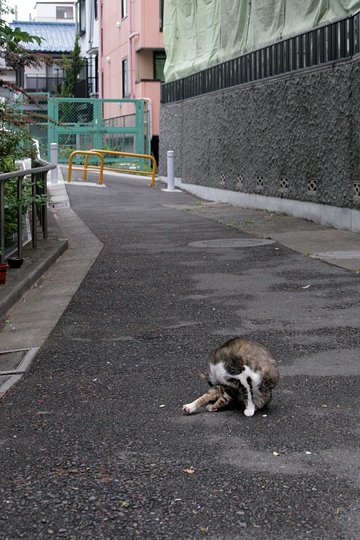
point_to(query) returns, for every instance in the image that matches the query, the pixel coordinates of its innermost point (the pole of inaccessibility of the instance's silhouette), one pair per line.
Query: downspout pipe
(131, 35)
(101, 61)
(149, 103)
(149, 108)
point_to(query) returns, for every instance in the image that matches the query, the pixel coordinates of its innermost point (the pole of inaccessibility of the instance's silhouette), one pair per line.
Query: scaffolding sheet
(201, 33)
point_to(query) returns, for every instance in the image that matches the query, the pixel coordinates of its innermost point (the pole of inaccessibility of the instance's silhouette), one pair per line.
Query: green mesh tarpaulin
(201, 33)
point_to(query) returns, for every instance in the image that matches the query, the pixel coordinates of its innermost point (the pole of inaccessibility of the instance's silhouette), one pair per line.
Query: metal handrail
(86, 153)
(39, 187)
(100, 154)
(115, 153)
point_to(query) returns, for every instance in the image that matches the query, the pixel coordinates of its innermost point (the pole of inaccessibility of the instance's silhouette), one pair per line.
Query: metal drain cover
(13, 365)
(16, 361)
(232, 243)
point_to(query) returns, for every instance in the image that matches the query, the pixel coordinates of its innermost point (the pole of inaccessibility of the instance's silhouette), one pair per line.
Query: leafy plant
(72, 66)
(15, 141)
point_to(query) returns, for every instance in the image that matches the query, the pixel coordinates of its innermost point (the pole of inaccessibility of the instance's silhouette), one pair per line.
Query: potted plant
(14, 262)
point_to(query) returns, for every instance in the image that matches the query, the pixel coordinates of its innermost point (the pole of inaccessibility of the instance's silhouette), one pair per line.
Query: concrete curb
(323, 214)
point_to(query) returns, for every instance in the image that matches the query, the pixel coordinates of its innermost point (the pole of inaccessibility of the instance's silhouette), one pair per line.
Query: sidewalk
(51, 274)
(93, 440)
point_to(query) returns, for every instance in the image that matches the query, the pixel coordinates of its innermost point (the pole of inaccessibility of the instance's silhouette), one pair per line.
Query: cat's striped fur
(241, 370)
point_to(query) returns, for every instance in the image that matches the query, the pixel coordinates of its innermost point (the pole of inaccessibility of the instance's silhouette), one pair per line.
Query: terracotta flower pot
(3, 268)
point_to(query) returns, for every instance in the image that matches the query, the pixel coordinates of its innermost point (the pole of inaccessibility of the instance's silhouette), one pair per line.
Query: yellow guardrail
(101, 154)
(86, 153)
(132, 171)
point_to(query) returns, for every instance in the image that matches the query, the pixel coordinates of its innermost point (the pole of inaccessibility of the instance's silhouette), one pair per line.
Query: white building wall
(88, 30)
(55, 11)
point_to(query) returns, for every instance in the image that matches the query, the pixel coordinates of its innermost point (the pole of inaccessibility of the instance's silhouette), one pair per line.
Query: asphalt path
(93, 442)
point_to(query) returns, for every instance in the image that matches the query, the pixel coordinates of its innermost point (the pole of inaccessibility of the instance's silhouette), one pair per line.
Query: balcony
(84, 88)
(42, 84)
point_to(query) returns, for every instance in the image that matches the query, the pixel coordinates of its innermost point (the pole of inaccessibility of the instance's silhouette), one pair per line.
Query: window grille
(330, 43)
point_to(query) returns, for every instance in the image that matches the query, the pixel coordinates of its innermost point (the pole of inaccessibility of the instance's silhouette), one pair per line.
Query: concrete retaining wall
(294, 137)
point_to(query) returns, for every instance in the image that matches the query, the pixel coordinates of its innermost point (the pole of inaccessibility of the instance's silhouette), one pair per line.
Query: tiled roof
(57, 37)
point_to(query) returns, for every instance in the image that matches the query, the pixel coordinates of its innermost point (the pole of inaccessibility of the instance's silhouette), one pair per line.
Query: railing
(43, 84)
(84, 88)
(336, 41)
(127, 169)
(38, 205)
(102, 153)
(37, 83)
(126, 120)
(86, 153)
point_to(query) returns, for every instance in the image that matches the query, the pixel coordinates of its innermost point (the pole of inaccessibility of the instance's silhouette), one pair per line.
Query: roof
(57, 37)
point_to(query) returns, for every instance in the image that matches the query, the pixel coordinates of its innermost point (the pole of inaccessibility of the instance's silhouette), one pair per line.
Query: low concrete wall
(294, 137)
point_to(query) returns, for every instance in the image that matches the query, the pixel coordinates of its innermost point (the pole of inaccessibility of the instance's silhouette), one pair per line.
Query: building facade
(276, 124)
(132, 55)
(55, 11)
(54, 23)
(87, 28)
(57, 40)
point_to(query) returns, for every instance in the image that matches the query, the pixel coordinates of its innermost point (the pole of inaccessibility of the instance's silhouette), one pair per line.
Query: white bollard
(54, 161)
(170, 170)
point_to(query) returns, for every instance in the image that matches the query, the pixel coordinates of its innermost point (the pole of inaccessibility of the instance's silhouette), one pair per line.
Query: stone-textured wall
(295, 137)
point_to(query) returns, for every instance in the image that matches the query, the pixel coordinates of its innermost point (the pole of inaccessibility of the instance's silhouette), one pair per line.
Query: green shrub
(15, 143)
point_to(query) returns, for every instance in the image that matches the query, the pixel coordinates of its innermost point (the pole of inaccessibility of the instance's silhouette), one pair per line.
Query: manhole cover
(232, 243)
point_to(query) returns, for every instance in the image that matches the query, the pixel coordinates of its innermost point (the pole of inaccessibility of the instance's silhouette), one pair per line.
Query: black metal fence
(333, 42)
(83, 88)
(42, 84)
(38, 176)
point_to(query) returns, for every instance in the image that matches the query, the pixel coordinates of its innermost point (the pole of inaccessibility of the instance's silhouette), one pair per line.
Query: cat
(241, 370)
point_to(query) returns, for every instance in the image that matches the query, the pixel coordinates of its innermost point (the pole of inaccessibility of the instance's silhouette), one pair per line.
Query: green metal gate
(108, 124)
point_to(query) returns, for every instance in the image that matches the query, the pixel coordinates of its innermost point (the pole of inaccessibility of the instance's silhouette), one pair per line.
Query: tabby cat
(241, 370)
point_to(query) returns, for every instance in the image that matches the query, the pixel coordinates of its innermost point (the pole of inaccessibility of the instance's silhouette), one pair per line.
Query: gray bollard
(54, 161)
(170, 170)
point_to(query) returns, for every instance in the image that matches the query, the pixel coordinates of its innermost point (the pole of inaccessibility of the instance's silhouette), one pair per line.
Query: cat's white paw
(250, 411)
(188, 408)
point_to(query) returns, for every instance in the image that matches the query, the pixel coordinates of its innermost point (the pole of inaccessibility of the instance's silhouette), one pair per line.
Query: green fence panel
(85, 123)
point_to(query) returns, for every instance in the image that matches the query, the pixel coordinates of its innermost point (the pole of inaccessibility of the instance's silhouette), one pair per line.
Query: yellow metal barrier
(86, 153)
(115, 153)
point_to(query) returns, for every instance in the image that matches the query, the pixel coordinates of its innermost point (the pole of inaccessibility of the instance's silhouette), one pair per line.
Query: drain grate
(17, 361)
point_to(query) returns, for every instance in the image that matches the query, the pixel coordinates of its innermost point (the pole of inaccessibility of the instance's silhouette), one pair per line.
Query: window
(159, 62)
(161, 14)
(95, 9)
(124, 8)
(81, 17)
(125, 78)
(64, 12)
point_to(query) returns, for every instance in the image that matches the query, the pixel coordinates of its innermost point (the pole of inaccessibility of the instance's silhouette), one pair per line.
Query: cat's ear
(204, 375)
